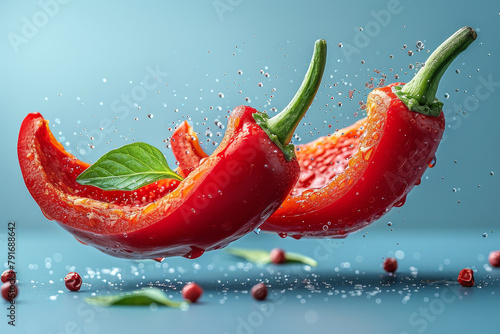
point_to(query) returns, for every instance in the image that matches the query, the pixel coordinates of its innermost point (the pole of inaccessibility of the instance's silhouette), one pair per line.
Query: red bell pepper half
(230, 194)
(353, 177)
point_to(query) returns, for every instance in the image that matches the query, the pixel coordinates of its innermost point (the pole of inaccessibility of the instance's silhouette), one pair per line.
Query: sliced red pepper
(230, 194)
(355, 176)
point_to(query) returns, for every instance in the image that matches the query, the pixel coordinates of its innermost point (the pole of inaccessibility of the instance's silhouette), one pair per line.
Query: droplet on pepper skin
(192, 292)
(466, 277)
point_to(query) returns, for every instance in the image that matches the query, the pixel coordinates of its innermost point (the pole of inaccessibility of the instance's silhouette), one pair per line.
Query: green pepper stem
(284, 124)
(423, 87)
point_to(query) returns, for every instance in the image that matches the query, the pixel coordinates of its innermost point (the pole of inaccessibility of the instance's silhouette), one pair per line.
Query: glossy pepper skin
(227, 195)
(353, 177)
(385, 164)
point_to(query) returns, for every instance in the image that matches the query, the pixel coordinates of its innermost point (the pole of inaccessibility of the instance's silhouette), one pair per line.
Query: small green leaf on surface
(141, 297)
(299, 258)
(261, 256)
(129, 167)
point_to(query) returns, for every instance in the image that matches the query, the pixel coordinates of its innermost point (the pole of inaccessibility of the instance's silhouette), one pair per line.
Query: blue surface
(347, 292)
(79, 63)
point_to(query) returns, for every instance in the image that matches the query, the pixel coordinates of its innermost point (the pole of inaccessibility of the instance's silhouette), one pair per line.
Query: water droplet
(401, 202)
(457, 71)
(240, 72)
(492, 173)
(419, 45)
(391, 56)
(257, 231)
(389, 224)
(282, 234)
(221, 95)
(341, 45)
(446, 96)
(261, 84)
(485, 235)
(194, 253)
(150, 115)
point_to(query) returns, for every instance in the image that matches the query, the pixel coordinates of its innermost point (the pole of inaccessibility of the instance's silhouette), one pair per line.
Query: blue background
(78, 63)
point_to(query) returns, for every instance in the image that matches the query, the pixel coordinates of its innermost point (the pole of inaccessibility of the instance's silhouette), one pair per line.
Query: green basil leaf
(261, 256)
(299, 258)
(128, 168)
(137, 298)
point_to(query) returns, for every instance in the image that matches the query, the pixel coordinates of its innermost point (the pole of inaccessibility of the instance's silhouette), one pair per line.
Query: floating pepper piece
(230, 194)
(353, 177)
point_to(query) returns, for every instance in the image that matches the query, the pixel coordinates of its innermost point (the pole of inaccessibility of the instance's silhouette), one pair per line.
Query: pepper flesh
(188, 146)
(229, 195)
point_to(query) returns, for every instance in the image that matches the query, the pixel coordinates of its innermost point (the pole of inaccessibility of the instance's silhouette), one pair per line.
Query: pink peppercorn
(9, 291)
(259, 291)
(390, 264)
(278, 256)
(9, 275)
(494, 258)
(73, 281)
(192, 292)
(466, 277)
